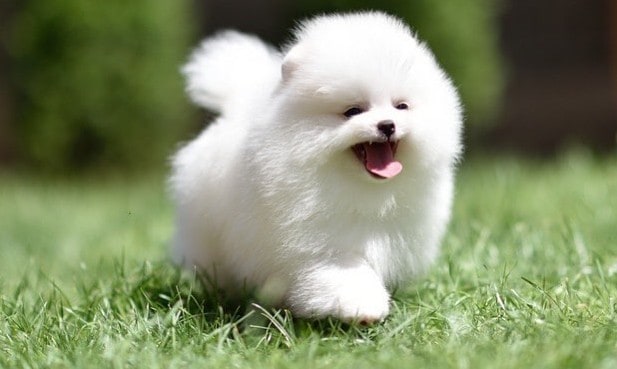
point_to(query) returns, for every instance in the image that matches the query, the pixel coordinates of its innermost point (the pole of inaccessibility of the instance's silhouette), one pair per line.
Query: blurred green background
(95, 85)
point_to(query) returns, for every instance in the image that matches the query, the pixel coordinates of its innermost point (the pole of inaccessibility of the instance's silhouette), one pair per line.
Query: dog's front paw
(353, 295)
(363, 305)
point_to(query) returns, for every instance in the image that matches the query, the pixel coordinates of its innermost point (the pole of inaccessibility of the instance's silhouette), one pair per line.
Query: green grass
(527, 279)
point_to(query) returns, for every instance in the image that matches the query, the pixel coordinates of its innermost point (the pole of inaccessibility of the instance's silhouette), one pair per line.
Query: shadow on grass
(163, 287)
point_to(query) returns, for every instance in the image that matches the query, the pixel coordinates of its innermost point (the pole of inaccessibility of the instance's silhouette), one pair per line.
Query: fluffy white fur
(272, 198)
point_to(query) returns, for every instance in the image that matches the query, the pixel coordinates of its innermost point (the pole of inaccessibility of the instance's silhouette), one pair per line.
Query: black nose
(386, 127)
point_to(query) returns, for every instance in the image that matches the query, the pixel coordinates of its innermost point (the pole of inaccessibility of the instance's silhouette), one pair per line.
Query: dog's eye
(353, 111)
(402, 106)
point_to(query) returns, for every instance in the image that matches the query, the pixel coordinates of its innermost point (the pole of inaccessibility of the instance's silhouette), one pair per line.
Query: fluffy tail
(229, 68)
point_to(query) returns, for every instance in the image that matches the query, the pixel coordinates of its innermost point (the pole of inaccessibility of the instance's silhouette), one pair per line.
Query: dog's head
(360, 91)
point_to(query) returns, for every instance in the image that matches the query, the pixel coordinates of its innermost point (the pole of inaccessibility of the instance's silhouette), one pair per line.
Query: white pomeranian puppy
(327, 179)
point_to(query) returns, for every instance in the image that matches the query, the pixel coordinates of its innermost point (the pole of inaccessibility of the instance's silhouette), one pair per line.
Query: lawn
(527, 279)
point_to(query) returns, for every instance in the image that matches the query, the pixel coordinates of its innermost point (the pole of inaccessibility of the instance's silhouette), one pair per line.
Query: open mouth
(378, 158)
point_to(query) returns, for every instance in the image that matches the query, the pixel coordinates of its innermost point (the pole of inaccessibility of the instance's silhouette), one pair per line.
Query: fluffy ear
(291, 62)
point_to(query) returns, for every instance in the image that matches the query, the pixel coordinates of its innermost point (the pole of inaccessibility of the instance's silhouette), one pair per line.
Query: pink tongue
(380, 160)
